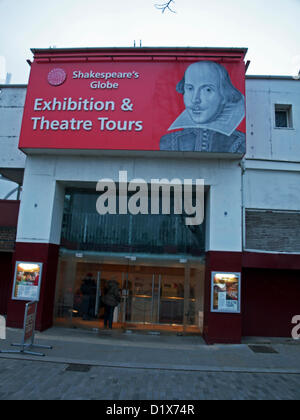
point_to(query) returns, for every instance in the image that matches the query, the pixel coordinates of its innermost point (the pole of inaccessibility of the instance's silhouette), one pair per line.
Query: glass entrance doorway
(156, 294)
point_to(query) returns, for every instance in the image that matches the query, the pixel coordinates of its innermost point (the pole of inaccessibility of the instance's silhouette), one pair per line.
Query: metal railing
(139, 233)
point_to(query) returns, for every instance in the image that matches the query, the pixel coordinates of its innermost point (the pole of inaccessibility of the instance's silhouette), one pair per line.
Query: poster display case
(226, 292)
(27, 281)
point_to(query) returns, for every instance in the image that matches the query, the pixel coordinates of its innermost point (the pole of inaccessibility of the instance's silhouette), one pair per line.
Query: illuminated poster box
(226, 292)
(27, 281)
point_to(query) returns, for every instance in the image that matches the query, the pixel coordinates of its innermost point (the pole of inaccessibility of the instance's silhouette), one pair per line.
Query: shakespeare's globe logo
(57, 77)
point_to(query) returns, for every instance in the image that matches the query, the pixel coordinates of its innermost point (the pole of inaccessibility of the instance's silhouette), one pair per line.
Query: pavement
(130, 365)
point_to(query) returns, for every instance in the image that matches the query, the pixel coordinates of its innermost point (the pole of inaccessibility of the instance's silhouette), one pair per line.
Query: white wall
(274, 186)
(272, 177)
(11, 111)
(42, 203)
(264, 141)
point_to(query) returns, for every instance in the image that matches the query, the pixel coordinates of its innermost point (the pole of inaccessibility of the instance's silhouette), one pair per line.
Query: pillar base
(221, 327)
(48, 255)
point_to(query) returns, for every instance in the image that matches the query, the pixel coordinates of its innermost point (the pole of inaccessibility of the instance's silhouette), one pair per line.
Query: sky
(270, 29)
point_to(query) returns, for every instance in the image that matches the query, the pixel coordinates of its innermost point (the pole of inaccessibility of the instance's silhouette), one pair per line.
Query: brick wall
(273, 231)
(7, 238)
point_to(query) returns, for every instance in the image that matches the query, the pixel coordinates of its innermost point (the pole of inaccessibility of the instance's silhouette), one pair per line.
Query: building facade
(140, 118)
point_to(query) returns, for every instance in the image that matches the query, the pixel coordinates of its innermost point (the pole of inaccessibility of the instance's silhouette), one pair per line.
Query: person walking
(111, 299)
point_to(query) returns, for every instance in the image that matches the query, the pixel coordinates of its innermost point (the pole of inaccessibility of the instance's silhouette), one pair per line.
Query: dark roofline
(135, 49)
(270, 77)
(13, 86)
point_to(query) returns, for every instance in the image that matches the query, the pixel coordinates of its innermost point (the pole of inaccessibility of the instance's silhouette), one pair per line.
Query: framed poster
(226, 292)
(27, 281)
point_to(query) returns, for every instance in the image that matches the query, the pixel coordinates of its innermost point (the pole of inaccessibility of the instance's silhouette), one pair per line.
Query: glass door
(80, 286)
(140, 304)
(154, 293)
(140, 294)
(172, 297)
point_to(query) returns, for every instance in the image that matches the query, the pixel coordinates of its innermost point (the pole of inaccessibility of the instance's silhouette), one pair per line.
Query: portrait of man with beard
(214, 109)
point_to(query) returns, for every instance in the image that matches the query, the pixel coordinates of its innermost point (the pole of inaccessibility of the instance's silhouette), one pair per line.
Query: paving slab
(164, 352)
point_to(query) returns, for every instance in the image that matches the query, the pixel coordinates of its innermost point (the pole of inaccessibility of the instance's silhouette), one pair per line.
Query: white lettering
(70, 104)
(296, 330)
(35, 121)
(54, 125)
(198, 209)
(38, 104)
(127, 411)
(138, 203)
(47, 106)
(164, 185)
(99, 106)
(139, 126)
(123, 192)
(154, 409)
(42, 124)
(104, 85)
(106, 203)
(87, 125)
(102, 120)
(111, 125)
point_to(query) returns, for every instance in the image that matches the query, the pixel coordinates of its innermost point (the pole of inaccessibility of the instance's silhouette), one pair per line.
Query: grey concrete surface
(118, 366)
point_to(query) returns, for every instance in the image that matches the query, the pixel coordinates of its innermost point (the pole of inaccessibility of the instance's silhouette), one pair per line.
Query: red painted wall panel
(6, 270)
(9, 212)
(271, 261)
(221, 327)
(271, 298)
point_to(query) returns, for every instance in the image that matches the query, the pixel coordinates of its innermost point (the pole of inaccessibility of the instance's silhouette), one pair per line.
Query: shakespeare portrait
(214, 109)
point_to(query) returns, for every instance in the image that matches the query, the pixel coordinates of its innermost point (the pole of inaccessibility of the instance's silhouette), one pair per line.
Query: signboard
(29, 321)
(28, 333)
(226, 292)
(27, 281)
(192, 104)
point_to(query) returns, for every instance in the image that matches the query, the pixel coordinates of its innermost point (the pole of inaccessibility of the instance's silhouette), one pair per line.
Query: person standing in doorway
(88, 290)
(111, 299)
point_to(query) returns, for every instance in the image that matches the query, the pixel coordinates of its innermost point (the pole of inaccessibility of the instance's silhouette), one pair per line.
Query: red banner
(134, 105)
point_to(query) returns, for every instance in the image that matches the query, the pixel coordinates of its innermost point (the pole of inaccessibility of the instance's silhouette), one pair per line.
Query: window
(83, 229)
(283, 116)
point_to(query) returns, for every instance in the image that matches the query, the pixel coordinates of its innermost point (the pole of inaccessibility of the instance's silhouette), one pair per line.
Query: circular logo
(56, 77)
